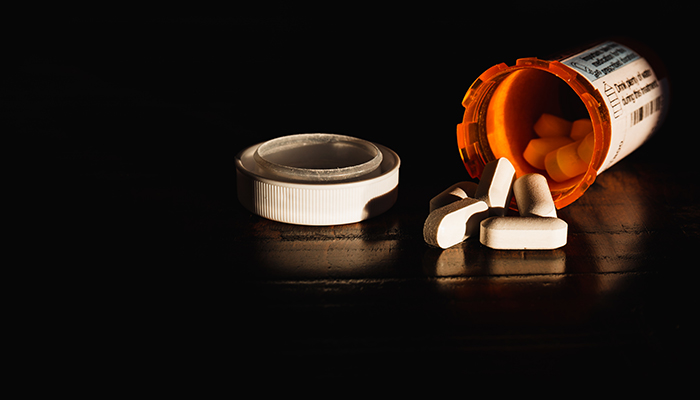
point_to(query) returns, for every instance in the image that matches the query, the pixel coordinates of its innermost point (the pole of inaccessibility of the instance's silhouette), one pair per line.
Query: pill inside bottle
(568, 118)
(533, 107)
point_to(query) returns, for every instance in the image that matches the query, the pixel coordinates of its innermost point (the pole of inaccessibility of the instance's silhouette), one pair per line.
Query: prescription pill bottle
(620, 86)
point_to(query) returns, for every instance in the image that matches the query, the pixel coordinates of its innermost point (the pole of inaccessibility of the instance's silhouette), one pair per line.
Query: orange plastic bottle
(622, 88)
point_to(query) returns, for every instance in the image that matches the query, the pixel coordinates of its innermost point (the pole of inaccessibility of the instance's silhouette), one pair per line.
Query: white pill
(452, 224)
(496, 186)
(533, 197)
(523, 233)
(458, 191)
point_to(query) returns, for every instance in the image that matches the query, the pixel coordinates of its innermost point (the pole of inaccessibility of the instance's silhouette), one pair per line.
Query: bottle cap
(317, 179)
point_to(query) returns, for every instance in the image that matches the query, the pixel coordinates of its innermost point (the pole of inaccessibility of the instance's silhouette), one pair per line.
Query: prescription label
(601, 60)
(633, 94)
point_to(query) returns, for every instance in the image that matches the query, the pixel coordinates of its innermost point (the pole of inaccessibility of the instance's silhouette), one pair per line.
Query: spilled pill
(455, 222)
(458, 191)
(523, 233)
(496, 186)
(533, 197)
(537, 227)
(457, 212)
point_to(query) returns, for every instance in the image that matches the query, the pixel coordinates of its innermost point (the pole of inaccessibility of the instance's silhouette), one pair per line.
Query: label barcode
(644, 111)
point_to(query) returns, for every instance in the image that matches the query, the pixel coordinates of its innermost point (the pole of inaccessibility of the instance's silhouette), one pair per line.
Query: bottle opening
(502, 110)
(517, 104)
(523, 112)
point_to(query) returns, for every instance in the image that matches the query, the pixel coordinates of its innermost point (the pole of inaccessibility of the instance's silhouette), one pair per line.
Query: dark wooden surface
(136, 123)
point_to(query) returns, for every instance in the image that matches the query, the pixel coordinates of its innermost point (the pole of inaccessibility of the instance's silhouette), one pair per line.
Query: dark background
(133, 118)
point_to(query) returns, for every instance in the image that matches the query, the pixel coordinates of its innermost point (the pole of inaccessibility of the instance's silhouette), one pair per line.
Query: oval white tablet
(521, 233)
(455, 222)
(533, 197)
(458, 191)
(496, 186)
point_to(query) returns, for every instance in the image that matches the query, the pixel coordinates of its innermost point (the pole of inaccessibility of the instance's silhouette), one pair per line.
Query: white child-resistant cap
(317, 179)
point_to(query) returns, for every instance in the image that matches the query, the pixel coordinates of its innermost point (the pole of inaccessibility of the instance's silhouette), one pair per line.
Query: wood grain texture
(150, 266)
